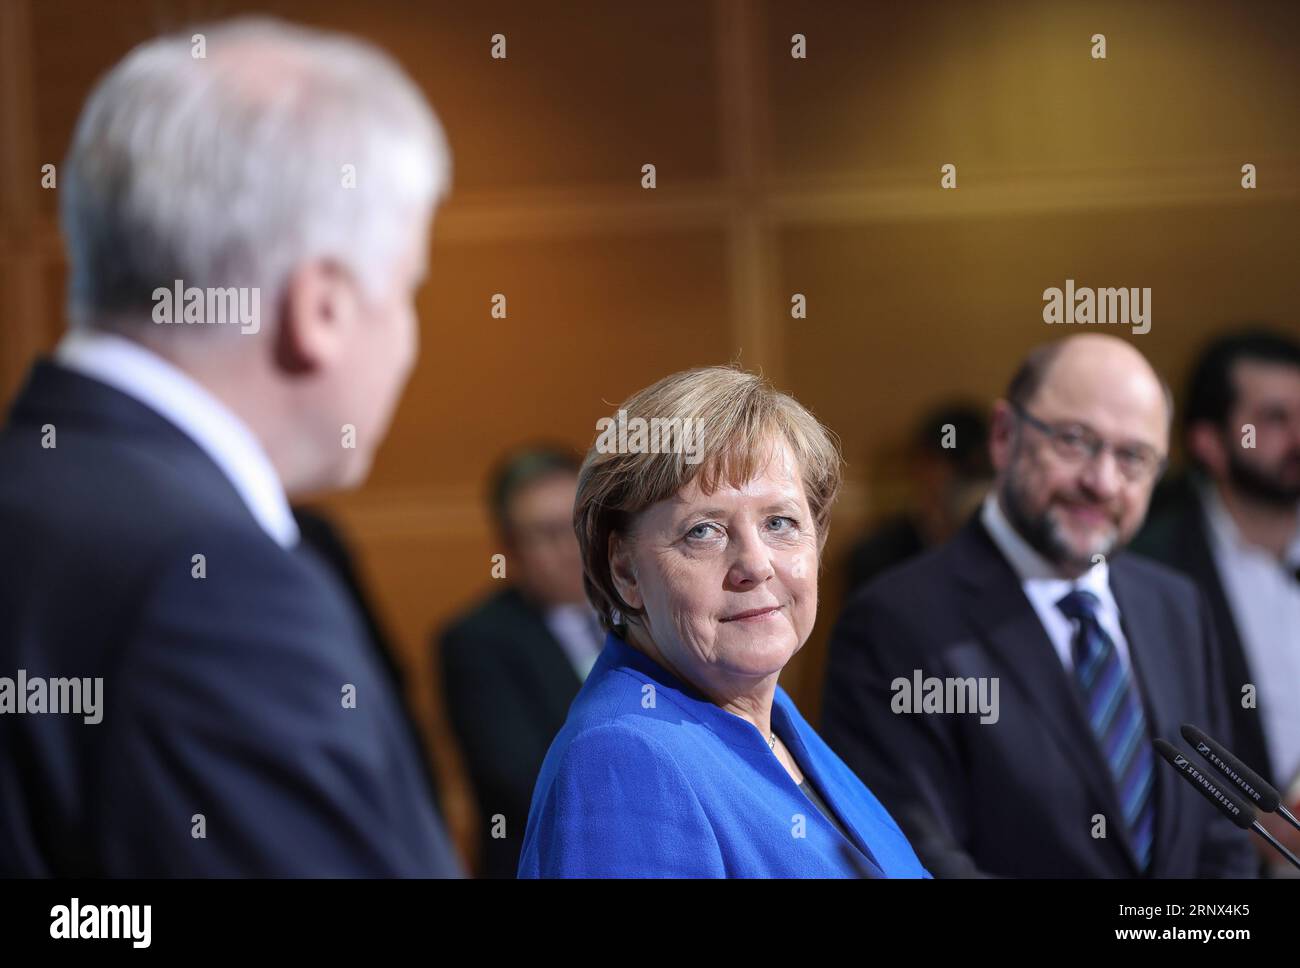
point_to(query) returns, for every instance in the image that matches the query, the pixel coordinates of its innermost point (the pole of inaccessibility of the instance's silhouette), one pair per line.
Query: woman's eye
(781, 524)
(700, 531)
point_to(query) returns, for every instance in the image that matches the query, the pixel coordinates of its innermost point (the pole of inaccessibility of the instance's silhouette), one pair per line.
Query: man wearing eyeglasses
(1094, 652)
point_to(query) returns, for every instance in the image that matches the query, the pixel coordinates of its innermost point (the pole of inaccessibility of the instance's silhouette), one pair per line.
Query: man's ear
(623, 572)
(1205, 444)
(1002, 434)
(506, 539)
(318, 311)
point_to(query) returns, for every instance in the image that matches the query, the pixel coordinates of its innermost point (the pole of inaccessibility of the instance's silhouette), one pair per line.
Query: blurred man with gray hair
(247, 209)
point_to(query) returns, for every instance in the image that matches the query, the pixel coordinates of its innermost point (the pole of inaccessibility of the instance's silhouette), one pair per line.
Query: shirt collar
(176, 397)
(1225, 531)
(1028, 564)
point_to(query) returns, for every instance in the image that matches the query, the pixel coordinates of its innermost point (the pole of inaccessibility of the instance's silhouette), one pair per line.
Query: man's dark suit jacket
(1017, 797)
(222, 695)
(891, 544)
(1179, 536)
(320, 535)
(508, 685)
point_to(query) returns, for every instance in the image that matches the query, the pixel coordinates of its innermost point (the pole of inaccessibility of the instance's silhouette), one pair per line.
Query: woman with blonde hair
(682, 756)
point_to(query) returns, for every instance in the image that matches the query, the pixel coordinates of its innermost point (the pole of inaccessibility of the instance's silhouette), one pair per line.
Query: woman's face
(728, 580)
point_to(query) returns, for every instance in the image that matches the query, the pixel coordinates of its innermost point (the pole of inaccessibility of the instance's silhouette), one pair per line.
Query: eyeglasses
(1076, 443)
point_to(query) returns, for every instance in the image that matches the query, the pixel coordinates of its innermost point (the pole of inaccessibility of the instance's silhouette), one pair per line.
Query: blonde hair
(740, 419)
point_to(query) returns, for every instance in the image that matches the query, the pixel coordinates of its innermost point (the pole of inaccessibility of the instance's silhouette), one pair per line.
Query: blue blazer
(650, 779)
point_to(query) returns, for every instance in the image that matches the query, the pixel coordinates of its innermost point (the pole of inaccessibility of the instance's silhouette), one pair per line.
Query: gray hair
(229, 169)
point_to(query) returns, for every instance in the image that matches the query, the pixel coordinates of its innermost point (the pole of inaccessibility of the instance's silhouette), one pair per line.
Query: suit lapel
(831, 791)
(1151, 653)
(1013, 634)
(538, 650)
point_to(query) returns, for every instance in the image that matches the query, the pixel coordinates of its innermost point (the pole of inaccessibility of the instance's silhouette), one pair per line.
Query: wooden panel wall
(776, 175)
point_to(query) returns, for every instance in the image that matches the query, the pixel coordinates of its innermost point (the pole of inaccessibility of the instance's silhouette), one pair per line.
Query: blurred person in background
(247, 726)
(682, 756)
(512, 664)
(948, 474)
(1234, 527)
(1092, 652)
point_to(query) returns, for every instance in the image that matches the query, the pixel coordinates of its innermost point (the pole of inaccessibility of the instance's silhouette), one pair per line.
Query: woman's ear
(623, 571)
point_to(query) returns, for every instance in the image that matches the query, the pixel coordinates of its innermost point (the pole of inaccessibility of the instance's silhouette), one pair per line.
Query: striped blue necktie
(1114, 711)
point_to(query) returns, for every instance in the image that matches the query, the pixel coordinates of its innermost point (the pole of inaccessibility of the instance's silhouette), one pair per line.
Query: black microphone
(1239, 810)
(1247, 780)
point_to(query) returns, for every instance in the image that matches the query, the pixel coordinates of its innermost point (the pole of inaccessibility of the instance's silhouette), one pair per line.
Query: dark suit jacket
(508, 685)
(1017, 797)
(888, 546)
(1178, 536)
(321, 536)
(222, 695)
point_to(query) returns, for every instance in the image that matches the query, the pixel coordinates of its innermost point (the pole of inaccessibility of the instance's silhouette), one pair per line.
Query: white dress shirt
(176, 397)
(1044, 587)
(1264, 596)
(578, 631)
